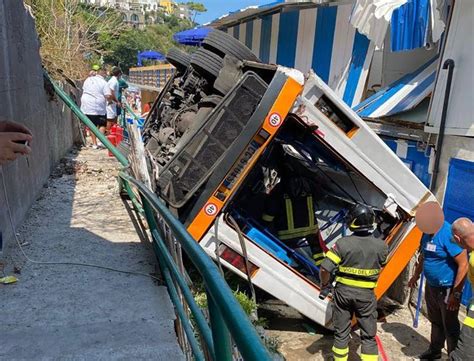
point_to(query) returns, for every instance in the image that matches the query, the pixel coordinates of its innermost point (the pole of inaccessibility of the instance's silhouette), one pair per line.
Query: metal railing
(227, 321)
(226, 315)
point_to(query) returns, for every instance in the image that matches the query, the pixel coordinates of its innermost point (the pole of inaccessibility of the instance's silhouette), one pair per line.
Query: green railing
(226, 321)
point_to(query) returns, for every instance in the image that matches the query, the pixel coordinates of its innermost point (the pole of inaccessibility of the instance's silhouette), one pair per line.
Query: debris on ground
(8, 280)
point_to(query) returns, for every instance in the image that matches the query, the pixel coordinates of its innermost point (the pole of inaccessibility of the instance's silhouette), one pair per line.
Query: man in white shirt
(95, 94)
(114, 100)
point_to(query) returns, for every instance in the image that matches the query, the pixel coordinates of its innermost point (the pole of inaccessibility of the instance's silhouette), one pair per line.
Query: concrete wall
(23, 99)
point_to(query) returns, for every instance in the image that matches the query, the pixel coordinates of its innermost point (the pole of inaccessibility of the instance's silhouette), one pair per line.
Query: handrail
(130, 110)
(235, 319)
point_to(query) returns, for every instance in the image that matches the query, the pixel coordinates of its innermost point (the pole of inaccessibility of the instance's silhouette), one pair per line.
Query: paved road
(75, 313)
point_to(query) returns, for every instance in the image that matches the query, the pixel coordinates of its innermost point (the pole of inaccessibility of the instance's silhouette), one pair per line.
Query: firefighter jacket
(357, 260)
(292, 218)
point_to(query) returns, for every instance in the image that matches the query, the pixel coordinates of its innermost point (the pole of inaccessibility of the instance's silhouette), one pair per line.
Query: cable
(246, 258)
(67, 263)
(355, 187)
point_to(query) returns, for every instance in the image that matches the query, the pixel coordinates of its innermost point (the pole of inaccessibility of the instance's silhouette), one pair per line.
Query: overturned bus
(213, 137)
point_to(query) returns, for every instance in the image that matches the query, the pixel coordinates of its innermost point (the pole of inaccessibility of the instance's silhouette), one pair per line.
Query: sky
(216, 8)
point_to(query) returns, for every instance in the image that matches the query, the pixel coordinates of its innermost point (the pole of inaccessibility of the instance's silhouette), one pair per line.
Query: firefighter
(356, 261)
(289, 211)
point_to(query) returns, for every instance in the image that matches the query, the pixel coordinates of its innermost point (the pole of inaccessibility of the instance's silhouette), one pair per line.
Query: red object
(323, 244)
(382, 353)
(117, 131)
(112, 139)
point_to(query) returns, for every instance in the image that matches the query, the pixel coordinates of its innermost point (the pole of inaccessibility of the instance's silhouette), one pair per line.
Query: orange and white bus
(216, 181)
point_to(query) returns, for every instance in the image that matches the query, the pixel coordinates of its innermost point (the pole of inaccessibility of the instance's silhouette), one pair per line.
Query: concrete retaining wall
(23, 99)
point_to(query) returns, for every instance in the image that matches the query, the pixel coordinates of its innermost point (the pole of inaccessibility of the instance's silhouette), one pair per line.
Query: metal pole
(175, 272)
(448, 64)
(418, 301)
(220, 333)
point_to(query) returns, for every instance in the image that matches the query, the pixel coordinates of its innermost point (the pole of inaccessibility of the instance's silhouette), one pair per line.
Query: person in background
(463, 235)
(114, 101)
(122, 86)
(147, 108)
(15, 140)
(95, 94)
(138, 104)
(289, 212)
(356, 261)
(444, 264)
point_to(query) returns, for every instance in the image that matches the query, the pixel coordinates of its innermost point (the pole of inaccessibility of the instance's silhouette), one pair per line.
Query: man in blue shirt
(445, 265)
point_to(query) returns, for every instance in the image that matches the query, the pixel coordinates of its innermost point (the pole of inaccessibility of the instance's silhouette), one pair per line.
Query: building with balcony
(134, 12)
(133, 5)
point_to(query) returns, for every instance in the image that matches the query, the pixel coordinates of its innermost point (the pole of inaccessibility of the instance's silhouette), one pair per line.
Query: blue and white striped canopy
(402, 95)
(307, 36)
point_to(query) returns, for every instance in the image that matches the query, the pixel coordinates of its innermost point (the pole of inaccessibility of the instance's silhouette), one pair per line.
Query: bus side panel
(273, 276)
(398, 261)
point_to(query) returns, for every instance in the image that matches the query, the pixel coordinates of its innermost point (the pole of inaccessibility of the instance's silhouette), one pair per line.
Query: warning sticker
(274, 119)
(211, 209)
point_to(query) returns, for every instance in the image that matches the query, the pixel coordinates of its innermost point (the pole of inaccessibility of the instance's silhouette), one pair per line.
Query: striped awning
(245, 12)
(402, 95)
(305, 35)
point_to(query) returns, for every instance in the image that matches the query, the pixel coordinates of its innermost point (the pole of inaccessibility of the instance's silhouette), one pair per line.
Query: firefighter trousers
(465, 347)
(361, 303)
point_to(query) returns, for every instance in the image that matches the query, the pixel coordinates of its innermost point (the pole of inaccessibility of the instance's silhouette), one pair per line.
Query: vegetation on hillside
(121, 49)
(74, 36)
(69, 34)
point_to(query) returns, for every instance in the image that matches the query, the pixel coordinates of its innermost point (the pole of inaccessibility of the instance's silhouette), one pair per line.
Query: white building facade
(136, 5)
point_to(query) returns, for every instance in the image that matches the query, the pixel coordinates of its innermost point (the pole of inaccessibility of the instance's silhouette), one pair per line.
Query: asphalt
(67, 312)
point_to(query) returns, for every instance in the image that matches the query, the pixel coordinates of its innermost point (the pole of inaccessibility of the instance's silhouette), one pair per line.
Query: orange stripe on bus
(398, 261)
(273, 121)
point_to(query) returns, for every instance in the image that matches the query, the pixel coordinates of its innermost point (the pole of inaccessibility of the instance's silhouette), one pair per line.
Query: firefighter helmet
(361, 218)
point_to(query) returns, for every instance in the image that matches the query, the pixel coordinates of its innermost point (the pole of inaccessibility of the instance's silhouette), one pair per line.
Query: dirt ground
(299, 339)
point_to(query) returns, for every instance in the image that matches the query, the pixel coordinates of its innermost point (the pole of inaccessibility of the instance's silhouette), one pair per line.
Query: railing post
(220, 332)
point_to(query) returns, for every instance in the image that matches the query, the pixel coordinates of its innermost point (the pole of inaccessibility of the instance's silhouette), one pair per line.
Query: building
(134, 12)
(167, 5)
(182, 11)
(134, 5)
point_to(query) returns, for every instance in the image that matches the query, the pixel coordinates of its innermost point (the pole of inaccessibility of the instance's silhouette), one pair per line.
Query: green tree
(196, 8)
(69, 33)
(122, 49)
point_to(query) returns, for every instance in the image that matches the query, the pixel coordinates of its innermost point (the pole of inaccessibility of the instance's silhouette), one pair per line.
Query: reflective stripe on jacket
(357, 260)
(292, 217)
